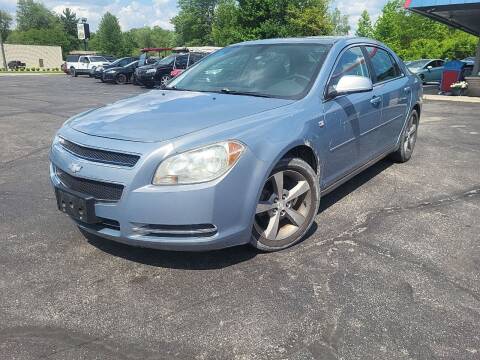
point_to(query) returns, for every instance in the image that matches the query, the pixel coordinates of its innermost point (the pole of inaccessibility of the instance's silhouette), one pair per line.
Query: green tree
(309, 18)
(109, 36)
(54, 37)
(193, 24)
(340, 23)
(33, 15)
(365, 28)
(5, 23)
(69, 21)
(225, 27)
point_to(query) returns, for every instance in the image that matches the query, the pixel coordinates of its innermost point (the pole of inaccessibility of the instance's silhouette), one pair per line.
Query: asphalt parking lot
(391, 269)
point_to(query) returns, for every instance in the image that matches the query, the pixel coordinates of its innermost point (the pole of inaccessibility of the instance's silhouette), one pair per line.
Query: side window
(384, 66)
(181, 62)
(352, 62)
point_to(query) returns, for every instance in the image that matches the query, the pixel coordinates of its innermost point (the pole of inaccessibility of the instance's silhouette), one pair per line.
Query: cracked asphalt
(390, 269)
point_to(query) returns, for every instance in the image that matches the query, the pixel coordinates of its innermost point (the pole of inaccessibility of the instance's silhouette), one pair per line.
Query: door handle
(376, 100)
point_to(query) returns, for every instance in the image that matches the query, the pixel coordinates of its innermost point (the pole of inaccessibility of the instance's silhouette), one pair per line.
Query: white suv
(78, 65)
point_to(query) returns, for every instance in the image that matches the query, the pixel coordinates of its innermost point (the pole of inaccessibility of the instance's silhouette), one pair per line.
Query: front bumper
(225, 205)
(109, 77)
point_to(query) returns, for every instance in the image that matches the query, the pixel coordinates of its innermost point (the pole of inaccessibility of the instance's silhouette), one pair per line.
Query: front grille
(97, 155)
(157, 230)
(97, 189)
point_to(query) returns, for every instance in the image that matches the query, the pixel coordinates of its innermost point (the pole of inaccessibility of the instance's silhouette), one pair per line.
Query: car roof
(325, 40)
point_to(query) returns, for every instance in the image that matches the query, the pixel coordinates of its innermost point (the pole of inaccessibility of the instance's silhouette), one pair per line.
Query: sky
(139, 13)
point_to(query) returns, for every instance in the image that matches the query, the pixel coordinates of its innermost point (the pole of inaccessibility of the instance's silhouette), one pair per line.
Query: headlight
(199, 165)
(100, 68)
(111, 71)
(151, 71)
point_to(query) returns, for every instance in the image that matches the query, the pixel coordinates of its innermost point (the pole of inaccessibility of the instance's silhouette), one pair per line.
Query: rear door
(392, 85)
(347, 117)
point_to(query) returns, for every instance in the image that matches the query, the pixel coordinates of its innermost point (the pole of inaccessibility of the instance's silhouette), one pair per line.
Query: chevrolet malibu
(239, 148)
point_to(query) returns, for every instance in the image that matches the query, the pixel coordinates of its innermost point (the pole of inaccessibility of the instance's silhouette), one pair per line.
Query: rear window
(72, 58)
(98, 59)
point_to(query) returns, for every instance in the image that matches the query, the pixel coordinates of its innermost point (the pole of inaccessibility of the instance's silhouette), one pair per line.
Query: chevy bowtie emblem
(75, 168)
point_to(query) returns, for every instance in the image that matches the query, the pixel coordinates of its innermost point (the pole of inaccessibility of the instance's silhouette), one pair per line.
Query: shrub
(27, 69)
(38, 69)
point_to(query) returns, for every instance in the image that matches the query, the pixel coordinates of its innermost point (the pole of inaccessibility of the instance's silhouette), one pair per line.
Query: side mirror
(349, 84)
(429, 67)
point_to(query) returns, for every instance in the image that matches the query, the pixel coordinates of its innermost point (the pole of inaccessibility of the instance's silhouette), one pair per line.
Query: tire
(73, 72)
(407, 139)
(90, 73)
(280, 222)
(121, 79)
(164, 80)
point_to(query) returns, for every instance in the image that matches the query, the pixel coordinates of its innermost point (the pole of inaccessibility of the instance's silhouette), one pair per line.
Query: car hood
(162, 115)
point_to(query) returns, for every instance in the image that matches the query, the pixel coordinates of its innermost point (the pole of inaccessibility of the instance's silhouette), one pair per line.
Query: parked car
(16, 64)
(120, 74)
(469, 60)
(97, 72)
(239, 148)
(159, 73)
(82, 64)
(428, 70)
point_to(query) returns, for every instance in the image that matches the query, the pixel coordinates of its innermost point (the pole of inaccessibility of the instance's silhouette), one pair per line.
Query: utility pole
(476, 67)
(4, 60)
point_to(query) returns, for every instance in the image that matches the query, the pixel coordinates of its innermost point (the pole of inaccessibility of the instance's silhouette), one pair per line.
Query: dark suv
(159, 73)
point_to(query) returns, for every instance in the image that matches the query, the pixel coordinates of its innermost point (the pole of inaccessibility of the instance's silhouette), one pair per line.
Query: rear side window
(384, 66)
(352, 62)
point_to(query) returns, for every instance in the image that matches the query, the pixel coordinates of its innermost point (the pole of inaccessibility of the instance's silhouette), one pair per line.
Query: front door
(347, 117)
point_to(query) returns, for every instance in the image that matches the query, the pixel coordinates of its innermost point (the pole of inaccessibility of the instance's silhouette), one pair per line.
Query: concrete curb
(33, 73)
(465, 99)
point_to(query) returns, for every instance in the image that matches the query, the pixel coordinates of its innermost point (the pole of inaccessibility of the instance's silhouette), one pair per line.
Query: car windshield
(132, 63)
(418, 64)
(272, 70)
(166, 61)
(117, 61)
(98, 59)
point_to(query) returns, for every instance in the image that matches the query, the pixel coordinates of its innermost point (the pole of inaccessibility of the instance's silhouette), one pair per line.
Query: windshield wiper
(246, 93)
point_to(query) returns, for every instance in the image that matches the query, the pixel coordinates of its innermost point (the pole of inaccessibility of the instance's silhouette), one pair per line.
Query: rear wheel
(287, 206)
(408, 139)
(121, 79)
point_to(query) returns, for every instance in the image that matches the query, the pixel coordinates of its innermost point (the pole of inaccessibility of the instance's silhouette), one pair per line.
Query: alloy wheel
(410, 136)
(164, 80)
(284, 205)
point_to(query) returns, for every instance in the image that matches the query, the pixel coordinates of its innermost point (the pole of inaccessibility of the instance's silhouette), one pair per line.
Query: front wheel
(73, 72)
(287, 206)
(407, 140)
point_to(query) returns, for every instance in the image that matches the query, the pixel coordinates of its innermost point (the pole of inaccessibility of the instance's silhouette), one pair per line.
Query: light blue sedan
(428, 70)
(239, 148)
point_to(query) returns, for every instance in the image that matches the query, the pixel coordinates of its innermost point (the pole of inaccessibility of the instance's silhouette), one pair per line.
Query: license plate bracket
(76, 205)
